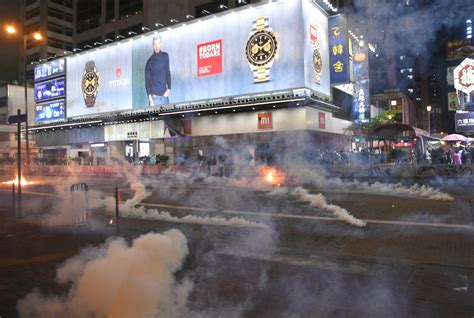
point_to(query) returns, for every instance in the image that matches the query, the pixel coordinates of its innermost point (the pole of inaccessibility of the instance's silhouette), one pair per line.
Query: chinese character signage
(464, 76)
(49, 89)
(338, 50)
(456, 50)
(49, 111)
(464, 122)
(361, 99)
(265, 121)
(209, 58)
(49, 70)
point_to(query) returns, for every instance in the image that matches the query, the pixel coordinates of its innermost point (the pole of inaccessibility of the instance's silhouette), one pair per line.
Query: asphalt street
(413, 258)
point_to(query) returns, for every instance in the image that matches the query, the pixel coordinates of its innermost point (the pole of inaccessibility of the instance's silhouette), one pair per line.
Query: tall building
(53, 19)
(98, 22)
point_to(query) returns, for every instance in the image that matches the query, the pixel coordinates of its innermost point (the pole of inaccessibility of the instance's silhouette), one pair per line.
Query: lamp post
(428, 109)
(12, 30)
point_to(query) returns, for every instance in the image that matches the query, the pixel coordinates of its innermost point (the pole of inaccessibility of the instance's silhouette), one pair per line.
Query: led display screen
(49, 70)
(49, 89)
(49, 111)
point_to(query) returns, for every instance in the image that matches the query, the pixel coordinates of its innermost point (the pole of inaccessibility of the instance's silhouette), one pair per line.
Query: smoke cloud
(118, 280)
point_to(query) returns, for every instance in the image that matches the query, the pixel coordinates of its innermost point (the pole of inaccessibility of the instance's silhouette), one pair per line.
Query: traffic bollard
(13, 200)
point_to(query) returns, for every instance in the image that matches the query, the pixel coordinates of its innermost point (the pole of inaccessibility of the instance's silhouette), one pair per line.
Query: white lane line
(309, 217)
(32, 192)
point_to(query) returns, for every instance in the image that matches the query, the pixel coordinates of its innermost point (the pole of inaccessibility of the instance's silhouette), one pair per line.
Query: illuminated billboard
(254, 50)
(339, 49)
(49, 70)
(100, 81)
(49, 111)
(49, 89)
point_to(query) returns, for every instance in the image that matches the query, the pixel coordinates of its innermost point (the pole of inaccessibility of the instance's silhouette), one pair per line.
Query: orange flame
(272, 175)
(15, 181)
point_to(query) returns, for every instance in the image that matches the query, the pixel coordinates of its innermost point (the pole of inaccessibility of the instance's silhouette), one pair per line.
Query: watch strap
(260, 24)
(261, 74)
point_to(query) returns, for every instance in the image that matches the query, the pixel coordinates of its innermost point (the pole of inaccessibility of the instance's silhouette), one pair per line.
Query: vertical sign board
(361, 99)
(322, 120)
(338, 49)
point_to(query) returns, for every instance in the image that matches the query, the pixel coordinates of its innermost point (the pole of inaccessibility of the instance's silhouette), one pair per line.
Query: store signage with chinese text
(464, 122)
(464, 76)
(338, 50)
(456, 50)
(361, 99)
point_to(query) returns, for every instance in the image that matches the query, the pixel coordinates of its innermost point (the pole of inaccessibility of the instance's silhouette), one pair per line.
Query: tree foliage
(363, 129)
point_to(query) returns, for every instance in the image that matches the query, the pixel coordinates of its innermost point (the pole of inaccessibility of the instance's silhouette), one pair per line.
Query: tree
(363, 129)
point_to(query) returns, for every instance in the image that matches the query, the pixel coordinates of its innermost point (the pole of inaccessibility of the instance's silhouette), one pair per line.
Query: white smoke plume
(153, 214)
(319, 201)
(317, 176)
(118, 280)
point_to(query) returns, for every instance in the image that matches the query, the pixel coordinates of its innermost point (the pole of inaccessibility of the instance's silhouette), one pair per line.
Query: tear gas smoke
(319, 201)
(317, 176)
(118, 280)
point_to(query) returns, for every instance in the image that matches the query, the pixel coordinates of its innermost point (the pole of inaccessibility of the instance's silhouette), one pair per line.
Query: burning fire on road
(272, 175)
(15, 181)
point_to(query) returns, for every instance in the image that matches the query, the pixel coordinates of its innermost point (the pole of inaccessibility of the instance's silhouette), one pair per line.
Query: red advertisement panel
(265, 121)
(322, 120)
(209, 58)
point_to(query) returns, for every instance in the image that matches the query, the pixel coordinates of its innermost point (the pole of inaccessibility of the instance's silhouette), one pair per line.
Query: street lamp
(11, 29)
(428, 109)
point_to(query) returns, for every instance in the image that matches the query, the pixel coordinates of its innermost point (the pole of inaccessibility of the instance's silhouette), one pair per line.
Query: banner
(339, 49)
(240, 52)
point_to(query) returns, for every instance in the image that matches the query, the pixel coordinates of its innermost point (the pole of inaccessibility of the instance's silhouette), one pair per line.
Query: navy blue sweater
(157, 74)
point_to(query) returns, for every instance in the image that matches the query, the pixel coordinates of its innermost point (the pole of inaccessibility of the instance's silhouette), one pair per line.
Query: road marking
(283, 215)
(309, 217)
(32, 192)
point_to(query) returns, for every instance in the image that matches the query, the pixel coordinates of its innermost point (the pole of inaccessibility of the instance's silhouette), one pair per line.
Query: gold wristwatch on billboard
(90, 83)
(317, 63)
(261, 49)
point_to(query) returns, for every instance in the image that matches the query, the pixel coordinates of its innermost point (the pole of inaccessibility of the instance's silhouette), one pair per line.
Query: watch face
(90, 82)
(317, 62)
(261, 48)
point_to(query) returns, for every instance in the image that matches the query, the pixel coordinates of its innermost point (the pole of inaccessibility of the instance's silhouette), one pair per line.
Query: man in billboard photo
(157, 75)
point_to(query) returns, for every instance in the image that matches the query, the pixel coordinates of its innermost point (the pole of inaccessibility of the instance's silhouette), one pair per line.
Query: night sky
(9, 47)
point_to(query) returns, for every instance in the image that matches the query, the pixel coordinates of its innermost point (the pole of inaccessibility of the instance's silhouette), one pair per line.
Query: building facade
(217, 88)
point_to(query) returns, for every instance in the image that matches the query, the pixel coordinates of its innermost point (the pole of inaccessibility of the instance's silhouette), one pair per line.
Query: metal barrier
(80, 213)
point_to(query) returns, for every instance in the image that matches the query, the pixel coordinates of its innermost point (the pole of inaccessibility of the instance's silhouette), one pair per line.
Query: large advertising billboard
(49, 89)
(264, 48)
